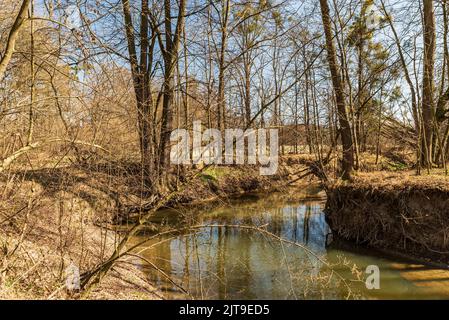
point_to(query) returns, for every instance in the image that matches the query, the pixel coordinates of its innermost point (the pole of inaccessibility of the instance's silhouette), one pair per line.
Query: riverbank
(47, 227)
(394, 211)
(55, 217)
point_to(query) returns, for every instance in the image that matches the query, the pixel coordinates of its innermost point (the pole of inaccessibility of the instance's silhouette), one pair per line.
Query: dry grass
(42, 232)
(436, 180)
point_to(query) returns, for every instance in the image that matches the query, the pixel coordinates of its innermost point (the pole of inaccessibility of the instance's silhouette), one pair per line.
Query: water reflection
(231, 263)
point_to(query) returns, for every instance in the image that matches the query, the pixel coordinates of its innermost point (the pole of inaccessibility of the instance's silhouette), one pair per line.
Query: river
(218, 262)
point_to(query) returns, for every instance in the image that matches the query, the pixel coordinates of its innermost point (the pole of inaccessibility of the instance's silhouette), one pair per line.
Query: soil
(394, 211)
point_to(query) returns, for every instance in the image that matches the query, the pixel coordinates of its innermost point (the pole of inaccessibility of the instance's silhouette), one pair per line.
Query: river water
(220, 260)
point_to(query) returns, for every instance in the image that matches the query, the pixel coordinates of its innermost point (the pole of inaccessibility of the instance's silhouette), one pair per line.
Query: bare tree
(345, 129)
(428, 107)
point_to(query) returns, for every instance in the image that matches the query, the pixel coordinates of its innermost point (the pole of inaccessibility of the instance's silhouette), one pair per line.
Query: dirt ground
(394, 210)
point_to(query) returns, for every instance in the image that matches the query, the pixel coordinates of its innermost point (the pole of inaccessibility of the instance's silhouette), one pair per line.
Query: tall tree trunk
(345, 129)
(33, 82)
(428, 82)
(247, 103)
(140, 76)
(221, 66)
(170, 55)
(307, 104)
(186, 77)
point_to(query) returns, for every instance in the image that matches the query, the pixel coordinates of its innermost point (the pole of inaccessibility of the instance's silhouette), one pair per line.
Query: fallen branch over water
(93, 277)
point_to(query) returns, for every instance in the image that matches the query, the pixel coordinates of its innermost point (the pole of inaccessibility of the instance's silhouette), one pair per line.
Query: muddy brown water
(217, 262)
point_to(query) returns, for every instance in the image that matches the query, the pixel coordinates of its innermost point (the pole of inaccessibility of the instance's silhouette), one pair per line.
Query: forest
(151, 149)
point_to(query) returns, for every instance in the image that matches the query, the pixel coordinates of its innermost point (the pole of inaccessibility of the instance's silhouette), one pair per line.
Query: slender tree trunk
(296, 109)
(428, 81)
(140, 76)
(247, 73)
(345, 129)
(221, 67)
(408, 78)
(186, 77)
(307, 108)
(33, 87)
(170, 61)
